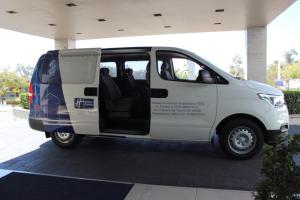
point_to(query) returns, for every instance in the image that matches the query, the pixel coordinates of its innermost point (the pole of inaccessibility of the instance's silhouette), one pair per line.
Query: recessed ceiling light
(219, 10)
(78, 33)
(11, 12)
(71, 4)
(52, 24)
(157, 15)
(217, 23)
(101, 20)
(121, 29)
(168, 26)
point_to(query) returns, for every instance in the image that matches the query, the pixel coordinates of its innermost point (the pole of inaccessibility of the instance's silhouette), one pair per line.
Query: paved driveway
(130, 160)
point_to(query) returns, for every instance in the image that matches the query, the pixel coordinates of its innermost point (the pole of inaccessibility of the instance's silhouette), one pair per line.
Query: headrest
(104, 71)
(129, 71)
(165, 66)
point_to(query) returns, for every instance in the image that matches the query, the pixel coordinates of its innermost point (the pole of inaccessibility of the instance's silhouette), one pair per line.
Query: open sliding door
(79, 71)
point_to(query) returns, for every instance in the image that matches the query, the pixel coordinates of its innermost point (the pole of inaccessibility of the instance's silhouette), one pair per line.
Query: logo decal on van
(83, 103)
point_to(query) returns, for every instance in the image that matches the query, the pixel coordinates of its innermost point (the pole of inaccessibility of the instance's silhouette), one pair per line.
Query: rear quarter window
(48, 71)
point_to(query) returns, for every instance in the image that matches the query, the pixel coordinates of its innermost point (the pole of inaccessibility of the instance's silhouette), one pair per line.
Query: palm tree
(290, 56)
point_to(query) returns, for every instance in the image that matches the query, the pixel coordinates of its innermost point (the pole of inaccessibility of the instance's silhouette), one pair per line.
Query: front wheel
(65, 140)
(241, 138)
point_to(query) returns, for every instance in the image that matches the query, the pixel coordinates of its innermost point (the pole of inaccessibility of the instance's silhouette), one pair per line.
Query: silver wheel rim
(64, 137)
(242, 140)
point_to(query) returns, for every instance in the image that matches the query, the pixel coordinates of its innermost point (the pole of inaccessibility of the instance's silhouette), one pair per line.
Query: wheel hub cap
(64, 137)
(242, 140)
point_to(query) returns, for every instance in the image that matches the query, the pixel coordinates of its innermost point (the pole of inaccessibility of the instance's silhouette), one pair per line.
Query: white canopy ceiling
(90, 19)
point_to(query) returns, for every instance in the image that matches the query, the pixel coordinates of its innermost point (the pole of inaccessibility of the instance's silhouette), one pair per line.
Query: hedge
(24, 97)
(292, 99)
(13, 102)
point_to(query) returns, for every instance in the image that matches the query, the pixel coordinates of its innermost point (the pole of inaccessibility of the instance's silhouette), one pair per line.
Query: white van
(152, 92)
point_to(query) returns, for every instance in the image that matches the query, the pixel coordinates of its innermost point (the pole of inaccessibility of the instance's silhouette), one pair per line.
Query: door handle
(90, 91)
(159, 93)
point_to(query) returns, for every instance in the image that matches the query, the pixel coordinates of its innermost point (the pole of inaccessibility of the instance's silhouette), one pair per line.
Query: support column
(65, 44)
(257, 53)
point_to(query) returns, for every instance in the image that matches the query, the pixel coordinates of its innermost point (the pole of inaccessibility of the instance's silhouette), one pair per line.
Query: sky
(217, 47)
(284, 33)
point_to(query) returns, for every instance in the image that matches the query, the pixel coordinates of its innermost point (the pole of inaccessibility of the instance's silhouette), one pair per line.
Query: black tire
(67, 142)
(236, 133)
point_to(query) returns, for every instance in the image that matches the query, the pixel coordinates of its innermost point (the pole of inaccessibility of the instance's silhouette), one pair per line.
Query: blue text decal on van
(83, 103)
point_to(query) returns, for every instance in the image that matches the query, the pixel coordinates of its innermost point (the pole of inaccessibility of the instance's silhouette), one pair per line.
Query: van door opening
(124, 97)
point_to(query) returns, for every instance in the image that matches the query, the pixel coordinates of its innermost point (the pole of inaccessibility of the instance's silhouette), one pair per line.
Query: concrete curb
(5, 108)
(20, 112)
(295, 116)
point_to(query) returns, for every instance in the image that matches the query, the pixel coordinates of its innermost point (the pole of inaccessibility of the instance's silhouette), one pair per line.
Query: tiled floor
(187, 164)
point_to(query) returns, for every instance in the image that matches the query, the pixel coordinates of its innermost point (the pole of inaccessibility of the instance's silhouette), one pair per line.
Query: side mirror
(205, 77)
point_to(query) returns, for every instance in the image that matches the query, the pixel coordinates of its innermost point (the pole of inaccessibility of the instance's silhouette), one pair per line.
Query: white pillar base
(65, 44)
(257, 53)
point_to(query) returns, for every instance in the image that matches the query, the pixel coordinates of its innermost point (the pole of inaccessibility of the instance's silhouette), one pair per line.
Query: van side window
(48, 71)
(186, 69)
(112, 66)
(175, 66)
(138, 67)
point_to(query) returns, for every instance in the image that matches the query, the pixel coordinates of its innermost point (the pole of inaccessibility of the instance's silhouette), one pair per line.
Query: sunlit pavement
(16, 138)
(187, 164)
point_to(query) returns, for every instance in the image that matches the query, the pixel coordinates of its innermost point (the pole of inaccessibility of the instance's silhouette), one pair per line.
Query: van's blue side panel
(48, 102)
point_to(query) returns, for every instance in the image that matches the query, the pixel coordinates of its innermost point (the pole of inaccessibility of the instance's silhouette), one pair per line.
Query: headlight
(275, 100)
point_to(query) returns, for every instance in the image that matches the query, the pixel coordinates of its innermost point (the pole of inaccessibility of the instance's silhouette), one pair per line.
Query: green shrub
(292, 99)
(13, 102)
(281, 174)
(24, 97)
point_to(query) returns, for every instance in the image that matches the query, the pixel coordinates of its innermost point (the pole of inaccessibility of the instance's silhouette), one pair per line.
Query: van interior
(124, 93)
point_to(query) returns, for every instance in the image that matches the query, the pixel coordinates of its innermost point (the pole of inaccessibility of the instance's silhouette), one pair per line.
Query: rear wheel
(65, 140)
(241, 138)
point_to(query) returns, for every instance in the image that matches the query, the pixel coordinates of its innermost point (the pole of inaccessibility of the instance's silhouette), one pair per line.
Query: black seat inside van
(166, 71)
(129, 83)
(115, 104)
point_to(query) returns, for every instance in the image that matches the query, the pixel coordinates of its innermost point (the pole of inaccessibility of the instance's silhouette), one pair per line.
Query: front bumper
(271, 136)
